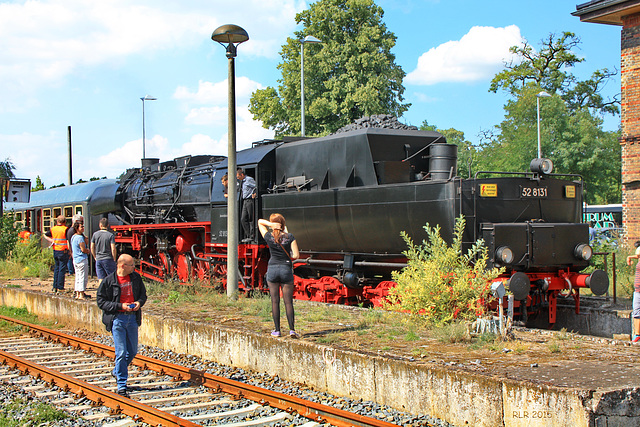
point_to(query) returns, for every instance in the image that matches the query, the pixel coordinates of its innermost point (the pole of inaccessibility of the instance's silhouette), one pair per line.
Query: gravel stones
(385, 121)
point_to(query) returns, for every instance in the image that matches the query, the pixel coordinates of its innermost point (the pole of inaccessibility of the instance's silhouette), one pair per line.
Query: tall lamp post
(230, 36)
(542, 94)
(145, 98)
(307, 39)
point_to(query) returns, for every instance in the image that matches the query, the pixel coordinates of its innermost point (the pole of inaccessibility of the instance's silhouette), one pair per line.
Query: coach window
(68, 212)
(46, 220)
(57, 212)
(79, 210)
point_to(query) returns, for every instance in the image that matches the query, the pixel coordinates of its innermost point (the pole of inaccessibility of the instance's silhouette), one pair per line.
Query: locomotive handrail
(526, 174)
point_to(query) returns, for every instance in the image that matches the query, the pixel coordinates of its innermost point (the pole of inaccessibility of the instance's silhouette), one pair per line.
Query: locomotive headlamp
(583, 251)
(543, 166)
(504, 254)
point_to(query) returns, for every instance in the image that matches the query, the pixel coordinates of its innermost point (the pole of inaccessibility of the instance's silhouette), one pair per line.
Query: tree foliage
(350, 75)
(547, 69)
(6, 169)
(39, 184)
(571, 119)
(8, 236)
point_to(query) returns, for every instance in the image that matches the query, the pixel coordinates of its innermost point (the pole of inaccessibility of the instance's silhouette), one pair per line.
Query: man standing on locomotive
(57, 236)
(120, 296)
(248, 193)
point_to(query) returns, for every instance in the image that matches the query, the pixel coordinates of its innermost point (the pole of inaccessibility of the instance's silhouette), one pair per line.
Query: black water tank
(442, 160)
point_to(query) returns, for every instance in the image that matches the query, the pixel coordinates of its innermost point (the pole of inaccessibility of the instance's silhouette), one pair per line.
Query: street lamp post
(145, 98)
(542, 94)
(230, 36)
(307, 39)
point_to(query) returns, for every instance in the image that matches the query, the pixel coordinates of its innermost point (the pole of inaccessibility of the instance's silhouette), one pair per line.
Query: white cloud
(478, 55)
(129, 154)
(216, 93)
(33, 155)
(42, 42)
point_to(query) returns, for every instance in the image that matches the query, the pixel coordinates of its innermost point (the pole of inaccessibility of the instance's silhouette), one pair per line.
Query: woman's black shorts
(280, 273)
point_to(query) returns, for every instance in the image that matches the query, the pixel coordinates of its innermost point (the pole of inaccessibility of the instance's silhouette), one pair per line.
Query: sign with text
(17, 191)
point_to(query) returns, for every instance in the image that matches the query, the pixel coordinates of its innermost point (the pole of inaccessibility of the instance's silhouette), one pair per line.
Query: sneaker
(294, 334)
(123, 392)
(636, 339)
(276, 334)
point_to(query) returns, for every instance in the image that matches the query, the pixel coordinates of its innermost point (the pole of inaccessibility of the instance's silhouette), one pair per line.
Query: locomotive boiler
(346, 198)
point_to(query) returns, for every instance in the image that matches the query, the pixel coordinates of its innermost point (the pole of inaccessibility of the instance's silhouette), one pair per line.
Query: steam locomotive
(346, 198)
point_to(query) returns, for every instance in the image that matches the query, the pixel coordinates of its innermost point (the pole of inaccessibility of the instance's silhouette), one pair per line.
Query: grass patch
(455, 332)
(486, 340)
(21, 413)
(329, 338)
(20, 314)
(554, 347)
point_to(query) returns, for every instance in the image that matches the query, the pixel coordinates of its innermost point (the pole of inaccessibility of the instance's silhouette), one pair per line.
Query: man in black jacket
(120, 297)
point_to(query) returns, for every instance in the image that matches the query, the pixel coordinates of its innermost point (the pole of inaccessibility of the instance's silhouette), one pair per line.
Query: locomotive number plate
(534, 192)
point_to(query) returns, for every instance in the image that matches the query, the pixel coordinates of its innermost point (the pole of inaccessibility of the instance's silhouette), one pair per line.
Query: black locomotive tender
(346, 198)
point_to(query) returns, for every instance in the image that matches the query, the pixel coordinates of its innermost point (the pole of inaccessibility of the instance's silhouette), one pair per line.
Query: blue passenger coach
(45, 205)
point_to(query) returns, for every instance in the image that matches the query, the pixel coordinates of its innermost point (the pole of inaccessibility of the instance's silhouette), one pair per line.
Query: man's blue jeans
(60, 259)
(125, 341)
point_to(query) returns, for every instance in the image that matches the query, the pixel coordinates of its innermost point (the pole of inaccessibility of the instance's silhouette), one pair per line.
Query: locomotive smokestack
(149, 161)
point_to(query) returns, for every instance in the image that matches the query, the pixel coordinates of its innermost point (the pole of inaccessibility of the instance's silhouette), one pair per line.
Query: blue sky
(87, 64)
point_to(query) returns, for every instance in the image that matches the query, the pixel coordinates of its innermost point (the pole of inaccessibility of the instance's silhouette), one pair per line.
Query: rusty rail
(137, 411)
(312, 410)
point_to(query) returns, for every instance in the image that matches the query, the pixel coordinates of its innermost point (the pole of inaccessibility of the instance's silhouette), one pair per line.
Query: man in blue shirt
(248, 194)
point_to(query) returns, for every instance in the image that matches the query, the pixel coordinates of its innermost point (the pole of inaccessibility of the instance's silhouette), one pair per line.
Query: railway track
(162, 393)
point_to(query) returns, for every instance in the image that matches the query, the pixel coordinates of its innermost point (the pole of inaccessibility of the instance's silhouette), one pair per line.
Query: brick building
(627, 14)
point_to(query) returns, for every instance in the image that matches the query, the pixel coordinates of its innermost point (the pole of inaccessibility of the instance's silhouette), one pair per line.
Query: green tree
(6, 169)
(571, 119)
(546, 68)
(39, 184)
(350, 75)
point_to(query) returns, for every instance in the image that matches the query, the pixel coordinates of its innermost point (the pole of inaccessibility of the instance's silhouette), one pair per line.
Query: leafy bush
(8, 236)
(440, 281)
(35, 261)
(625, 274)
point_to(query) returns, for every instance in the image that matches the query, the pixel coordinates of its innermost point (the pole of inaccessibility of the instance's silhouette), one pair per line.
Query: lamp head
(543, 94)
(311, 39)
(230, 36)
(148, 98)
(543, 166)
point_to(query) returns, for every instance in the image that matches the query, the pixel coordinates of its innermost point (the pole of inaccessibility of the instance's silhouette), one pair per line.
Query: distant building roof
(606, 11)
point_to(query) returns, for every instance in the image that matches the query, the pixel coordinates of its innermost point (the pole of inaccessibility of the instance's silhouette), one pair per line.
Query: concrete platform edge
(457, 396)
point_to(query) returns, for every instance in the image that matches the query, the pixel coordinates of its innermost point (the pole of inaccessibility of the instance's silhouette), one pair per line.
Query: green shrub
(440, 281)
(36, 261)
(8, 236)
